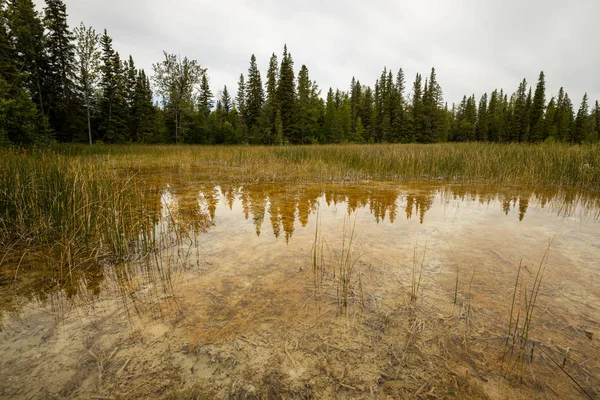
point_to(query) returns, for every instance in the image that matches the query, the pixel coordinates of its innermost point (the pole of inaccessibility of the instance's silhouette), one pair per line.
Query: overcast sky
(475, 45)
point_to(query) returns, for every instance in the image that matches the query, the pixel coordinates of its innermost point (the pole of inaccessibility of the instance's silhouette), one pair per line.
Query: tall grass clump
(348, 278)
(518, 346)
(71, 209)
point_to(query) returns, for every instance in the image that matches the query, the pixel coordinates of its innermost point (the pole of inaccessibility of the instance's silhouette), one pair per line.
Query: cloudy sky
(475, 45)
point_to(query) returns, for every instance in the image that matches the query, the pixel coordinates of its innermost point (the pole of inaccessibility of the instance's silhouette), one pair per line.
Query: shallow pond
(351, 290)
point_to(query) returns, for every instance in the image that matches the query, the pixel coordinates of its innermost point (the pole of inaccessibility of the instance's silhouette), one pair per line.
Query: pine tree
(60, 50)
(538, 106)
(286, 94)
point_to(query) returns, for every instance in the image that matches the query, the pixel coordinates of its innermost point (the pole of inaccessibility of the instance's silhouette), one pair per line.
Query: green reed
(549, 165)
(518, 342)
(71, 210)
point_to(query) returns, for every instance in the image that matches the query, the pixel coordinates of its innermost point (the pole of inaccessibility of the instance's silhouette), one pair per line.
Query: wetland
(244, 273)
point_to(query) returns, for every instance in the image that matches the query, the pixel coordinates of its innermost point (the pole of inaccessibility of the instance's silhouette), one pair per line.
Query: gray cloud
(475, 45)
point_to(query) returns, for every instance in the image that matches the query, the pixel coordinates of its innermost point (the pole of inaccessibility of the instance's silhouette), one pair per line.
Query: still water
(433, 276)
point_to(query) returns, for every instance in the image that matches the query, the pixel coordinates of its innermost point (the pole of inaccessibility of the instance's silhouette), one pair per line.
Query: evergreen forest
(62, 84)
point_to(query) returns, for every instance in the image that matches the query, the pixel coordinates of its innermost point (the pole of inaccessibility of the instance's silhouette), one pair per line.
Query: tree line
(58, 84)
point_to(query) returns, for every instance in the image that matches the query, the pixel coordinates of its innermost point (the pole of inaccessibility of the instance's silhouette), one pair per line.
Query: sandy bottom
(240, 315)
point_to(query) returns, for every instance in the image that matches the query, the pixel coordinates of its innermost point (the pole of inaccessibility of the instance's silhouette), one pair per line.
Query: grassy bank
(547, 165)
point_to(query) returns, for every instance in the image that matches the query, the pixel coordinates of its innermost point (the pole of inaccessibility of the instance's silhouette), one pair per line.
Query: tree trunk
(89, 122)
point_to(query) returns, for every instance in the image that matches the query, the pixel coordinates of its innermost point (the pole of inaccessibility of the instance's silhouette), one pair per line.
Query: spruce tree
(355, 100)
(144, 113)
(518, 113)
(60, 50)
(19, 117)
(417, 110)
(564, 116)
(482, 120)
(240, 100)
(526, 123)
(550, 126)
(538, 133)
(582, 126)
(270, 107)
(286, 94)
(226, 101)
(596, 114)
(306, 127)
(27, 36)
(366, 110)
(330, 109)
(433, 117)
(129, 85)
(255, 98)
(494, 117)
(400, 125)
(205, 97)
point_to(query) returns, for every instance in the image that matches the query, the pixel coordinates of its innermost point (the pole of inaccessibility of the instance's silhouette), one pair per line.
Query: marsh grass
(348, 277)
(76, 214)
(550, 165)
(417, 271)
(318, 256)
(518, 347)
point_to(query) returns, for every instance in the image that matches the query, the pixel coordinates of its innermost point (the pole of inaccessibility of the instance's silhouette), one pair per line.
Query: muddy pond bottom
(368, 290)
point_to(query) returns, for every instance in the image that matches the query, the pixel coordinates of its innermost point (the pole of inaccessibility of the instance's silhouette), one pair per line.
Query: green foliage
(87, 69)
(64, 111)
(176, 80)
